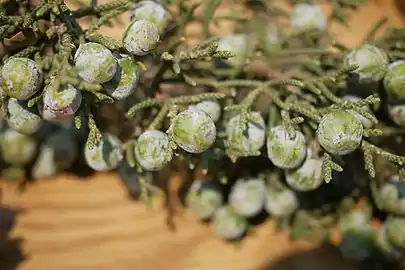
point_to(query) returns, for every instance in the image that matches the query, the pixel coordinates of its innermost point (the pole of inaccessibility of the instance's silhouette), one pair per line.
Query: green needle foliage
(318, 127)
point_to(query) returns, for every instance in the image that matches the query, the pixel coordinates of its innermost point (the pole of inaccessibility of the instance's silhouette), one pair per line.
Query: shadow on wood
(325, 257)
(11, 254)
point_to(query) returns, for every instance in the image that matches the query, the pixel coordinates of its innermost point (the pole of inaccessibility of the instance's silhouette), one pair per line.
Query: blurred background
(90, 223)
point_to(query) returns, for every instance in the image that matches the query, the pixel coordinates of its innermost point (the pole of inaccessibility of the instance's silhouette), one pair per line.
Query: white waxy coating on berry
(396, 231)
(395, 180)
(281, 203)
(153, 150)
(357, 245)
(229, 225)
(57, 153)
(390, 196)
(307, 177)
(372, 61)
(52, 117)
(247, 197)
(397, 114)
(126, 78)
(62, 102)
(353, 220)
(307, 17)
(95, 63)
(284, 151)
(193, 130)
(141, 37)
(211, 107)
(204, 198)
(367, 123)
(44, 166)
(385, 246)
(151, 11)
(249, 141)
(106, 154)
(339, 132)
(394, 80)
(22, 77)
(392, 201)
(21, 118)
(17, 148)
(236, 44)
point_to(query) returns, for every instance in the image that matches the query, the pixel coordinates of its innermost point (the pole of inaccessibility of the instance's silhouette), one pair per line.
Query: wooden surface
(85, 224)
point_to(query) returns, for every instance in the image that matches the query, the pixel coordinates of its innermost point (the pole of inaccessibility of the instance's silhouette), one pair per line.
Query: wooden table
(84, 224)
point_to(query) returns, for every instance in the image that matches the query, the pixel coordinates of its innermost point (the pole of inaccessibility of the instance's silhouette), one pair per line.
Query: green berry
(353, 220)
(95, 63)
(397, 114)
(357, 245)
(105, 155)
(307, 17)
(141, 37)
(249, 141)
(307, 177)
(126, 78)
(372, 61)
(367, 123)
(60, 103)
(152, 150)
(193, 130)
(390, 196)
(21, 118)
(57, 153)
(229, 225)
(399, 185)
(385, 246)
(281, 203)
(339, 132)
(204, 198)
(152, 12)
(211, 107)
(22, 78)
(247, 197)
(17, 148)
(394, 80)
(284, 151)
(236, 44)
(396, 232)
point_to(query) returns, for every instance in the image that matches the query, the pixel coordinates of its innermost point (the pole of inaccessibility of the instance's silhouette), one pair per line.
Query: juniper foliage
(278, 117)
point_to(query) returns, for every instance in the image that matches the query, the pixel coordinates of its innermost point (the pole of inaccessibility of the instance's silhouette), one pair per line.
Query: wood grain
(85, 224)
(89, 224)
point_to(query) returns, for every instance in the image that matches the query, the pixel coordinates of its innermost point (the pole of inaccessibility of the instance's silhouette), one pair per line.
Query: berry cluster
(302, 139)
